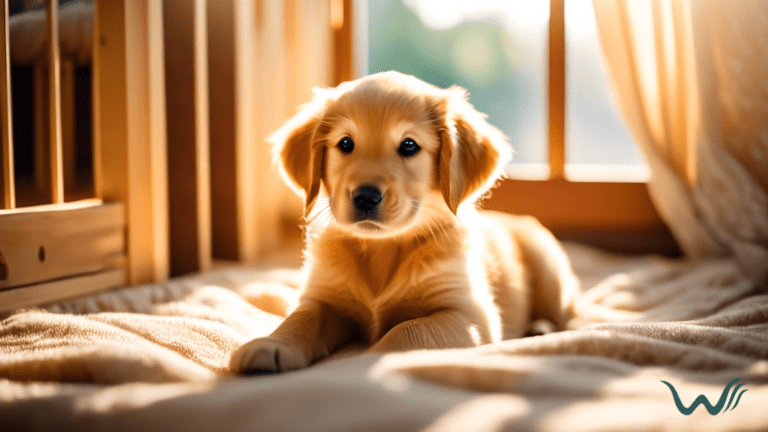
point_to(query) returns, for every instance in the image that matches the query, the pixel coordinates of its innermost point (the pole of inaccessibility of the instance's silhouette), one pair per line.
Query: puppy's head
(388, 149)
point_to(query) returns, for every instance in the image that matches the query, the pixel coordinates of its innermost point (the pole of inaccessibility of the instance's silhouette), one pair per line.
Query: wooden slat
(186, 74)
(54, 103)
(557, 89)
(42, 147)
(37, 208)
(68, 128)
(273, 79)
(618, 216)
(246, 105)
(7, 184)
(577, 205)
(130, 128)
(61, 289)
(96, 122)
(359, 20)
(343, 69)
(310, 48)
(65, 240)
(310, 64)
(234, 103)
(203, 135)
(280, 50)
(221, 97)
(227, 202)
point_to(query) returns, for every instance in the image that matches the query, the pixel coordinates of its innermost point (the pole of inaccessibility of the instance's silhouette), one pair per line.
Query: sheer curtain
(691, 77)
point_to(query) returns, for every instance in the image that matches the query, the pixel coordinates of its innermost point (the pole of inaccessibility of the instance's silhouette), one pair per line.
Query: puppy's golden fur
(427, 270)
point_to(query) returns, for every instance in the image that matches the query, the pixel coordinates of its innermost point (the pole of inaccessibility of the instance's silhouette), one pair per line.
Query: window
(496, 50)
(598, 144)
(536, 69)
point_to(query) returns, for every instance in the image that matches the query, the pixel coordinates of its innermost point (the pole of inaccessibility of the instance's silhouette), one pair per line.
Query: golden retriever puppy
(397, 256)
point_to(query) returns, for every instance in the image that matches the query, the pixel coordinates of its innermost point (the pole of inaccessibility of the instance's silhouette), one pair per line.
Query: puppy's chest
(376, 290)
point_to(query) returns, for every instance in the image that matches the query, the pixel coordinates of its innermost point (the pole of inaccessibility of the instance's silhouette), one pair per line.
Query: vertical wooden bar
(234, 87)
(299, 94)
(98, 183)
(310, 48)
(7, 185)
(557, 89)
(54, 103)
(221, 98)
(130, 127)
(359, 22)
(310, 61)
(42, 149)
(272, 112)
(68, 128)
(154, 89)
(279, 51)
(342, 22)
(203, 135)
(246, 106)
(186, 75)
(232, 91)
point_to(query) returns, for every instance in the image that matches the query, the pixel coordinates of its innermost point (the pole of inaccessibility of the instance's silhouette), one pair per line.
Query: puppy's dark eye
(346, 145)
(408, 148)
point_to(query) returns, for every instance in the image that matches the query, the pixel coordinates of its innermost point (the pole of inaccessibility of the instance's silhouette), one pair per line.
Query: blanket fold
(158, 355)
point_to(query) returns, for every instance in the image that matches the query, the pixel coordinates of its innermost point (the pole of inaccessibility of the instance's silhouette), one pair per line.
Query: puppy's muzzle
(366, 199)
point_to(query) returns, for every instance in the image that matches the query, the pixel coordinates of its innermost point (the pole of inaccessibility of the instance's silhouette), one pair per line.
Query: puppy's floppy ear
(298, 152)
(472, 152)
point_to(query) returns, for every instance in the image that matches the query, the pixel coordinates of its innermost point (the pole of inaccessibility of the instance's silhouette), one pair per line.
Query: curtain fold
(691, 79)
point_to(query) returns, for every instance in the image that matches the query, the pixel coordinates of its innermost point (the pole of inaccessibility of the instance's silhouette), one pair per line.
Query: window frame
(618, 216)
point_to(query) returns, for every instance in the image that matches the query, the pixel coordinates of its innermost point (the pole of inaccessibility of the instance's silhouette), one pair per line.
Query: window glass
(597, 143)
(496, 49)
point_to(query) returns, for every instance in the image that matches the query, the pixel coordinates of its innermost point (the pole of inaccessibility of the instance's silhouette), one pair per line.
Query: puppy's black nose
(366, 199)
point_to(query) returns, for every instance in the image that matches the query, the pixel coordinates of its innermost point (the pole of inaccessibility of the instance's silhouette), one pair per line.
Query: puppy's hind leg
(555, 286)
(313, 331)
(439, 330)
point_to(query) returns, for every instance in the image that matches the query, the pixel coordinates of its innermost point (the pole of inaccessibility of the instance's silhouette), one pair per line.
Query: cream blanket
(155, 358)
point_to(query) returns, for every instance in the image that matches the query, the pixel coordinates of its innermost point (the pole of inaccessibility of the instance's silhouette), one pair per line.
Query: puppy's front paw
(267, 355)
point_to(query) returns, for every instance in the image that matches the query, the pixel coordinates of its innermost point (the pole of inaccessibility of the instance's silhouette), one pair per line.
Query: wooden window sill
(615, 216)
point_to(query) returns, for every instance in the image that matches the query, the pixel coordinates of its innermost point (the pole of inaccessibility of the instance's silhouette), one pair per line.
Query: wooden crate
(60, 251)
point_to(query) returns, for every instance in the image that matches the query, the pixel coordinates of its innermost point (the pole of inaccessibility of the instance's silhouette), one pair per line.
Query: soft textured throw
(155, 358)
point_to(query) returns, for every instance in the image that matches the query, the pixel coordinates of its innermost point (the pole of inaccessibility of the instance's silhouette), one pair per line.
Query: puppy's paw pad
(264, 356)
